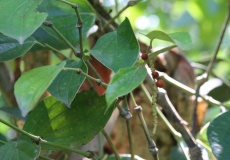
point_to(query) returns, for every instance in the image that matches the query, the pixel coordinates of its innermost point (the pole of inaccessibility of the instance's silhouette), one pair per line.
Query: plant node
(74, 6)
(132, 3)
(38, 140)
(48, 23)
(99, 81)
(79, 71)
(138, 108)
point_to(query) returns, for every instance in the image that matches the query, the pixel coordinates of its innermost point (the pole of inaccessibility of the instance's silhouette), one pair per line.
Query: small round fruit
(144, 56)
(160, 83)
(155, 74)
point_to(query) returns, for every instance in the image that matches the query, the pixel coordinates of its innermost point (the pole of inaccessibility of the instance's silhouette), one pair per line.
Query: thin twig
(79, 71)
(79, 26)
(129, 4)
(59, 54)
(50, 24)
(39, 140)
(211, 63)
(204, 78)
(127, 116)
(187, 89)
(176, 134)
(152, 145)
(111, 144)
(172, 114)
(91, 67)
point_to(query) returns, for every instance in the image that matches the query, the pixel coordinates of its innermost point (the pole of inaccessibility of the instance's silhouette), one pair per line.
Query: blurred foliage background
(203, 20)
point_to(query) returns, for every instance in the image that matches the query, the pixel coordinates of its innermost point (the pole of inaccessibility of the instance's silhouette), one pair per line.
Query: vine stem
(125, 113)
(176, 134)
(60, 55)
(79, 71)
(187, 89)
(41, 141)
(50, 24)
(79, 26)
(204, 78)
(211, 63)
(111, 144)
(152, 145)
(129, 4)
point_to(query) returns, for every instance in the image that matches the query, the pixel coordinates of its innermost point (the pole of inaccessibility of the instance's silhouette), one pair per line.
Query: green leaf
(19, 19)
(19, 150)
(31, 85)
(64, 19)
(14, 112)
(123, 82)
(118, 49)
(74, 126)
(218, 136)
(67, 83)
(181, 39)
(10, 48)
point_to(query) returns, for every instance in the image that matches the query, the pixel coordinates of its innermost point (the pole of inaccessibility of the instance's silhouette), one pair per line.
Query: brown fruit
(155, 74)
(144, 56)
(160, 83)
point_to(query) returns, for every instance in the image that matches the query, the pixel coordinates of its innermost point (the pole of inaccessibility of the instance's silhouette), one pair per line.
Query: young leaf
(64, 18)
(31, 85)
(19, 19)
(74, 126)
(67, 83)
(10, 48)
(181, 39)
(118, 49)
(123, 82)
(218, 136)
(19, 150)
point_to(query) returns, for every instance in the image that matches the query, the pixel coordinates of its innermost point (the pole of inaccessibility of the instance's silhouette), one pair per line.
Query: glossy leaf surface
(10, 48)
(64, 19)
(118, 49)
(218, 136)
(66, 85)
(19, 150)
(75, 126)
(123, 82)
(19, 19)
(31, 85)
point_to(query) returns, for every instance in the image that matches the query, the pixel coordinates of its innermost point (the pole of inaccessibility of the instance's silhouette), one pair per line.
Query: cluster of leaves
(67, 117)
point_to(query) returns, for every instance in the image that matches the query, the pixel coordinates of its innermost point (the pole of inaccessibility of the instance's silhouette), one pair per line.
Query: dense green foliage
(71, 119)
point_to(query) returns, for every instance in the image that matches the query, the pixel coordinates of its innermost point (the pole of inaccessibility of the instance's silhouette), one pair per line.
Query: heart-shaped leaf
(118, 49)
(31, 85)
(181, 39)
(64, 19)
(67, 83)
(75, 126)
(19, 150)
(123, 82)
(10, 48)
(218, 136)
(19, 19)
